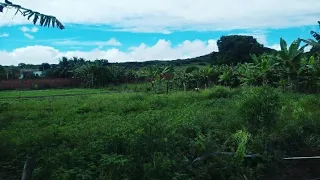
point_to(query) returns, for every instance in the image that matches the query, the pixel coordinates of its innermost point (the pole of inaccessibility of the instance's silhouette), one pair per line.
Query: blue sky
(124, 31)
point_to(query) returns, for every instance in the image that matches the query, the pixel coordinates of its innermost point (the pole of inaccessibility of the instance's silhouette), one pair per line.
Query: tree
(44, 66)
(22, 65)
(94, 75)
(43, 19)
(3, 73)
(237, 49)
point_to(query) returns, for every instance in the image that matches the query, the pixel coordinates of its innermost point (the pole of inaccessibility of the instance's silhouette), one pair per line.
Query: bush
(260, 109)
(221, 92)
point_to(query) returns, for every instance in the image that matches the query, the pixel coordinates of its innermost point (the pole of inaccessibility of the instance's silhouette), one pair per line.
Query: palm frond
(311, 42)
(315, 35)
(45, 20)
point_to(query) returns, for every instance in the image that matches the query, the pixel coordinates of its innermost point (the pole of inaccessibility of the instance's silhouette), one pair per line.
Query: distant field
(51, 92)
(137, 87)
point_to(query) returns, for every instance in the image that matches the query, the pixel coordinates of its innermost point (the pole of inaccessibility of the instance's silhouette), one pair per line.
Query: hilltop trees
(237, 49)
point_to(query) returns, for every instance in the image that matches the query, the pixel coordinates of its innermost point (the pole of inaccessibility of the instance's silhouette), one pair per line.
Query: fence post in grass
(28, 168)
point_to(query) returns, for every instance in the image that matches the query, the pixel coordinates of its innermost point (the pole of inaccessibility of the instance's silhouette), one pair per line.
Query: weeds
(158, 136)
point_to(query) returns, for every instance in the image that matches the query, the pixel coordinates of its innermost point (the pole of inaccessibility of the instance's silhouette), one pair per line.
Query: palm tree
(45, 20)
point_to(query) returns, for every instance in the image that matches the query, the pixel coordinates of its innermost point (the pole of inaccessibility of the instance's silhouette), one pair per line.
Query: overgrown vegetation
(150, 136)
(250, 107)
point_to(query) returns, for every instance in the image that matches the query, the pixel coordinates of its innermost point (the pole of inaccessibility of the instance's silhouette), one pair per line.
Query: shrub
(260, 108)
(220, 92)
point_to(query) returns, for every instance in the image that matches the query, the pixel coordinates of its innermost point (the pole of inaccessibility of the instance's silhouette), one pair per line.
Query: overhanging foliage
(45, 20)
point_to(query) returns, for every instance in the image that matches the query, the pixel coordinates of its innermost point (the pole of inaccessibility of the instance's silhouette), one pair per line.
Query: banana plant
(311, 42)
(167, 74)
(208, 73)
(310, 73)
(43, 19)
(247, 74)
(262, 67)
(290, 59)
(228, 76)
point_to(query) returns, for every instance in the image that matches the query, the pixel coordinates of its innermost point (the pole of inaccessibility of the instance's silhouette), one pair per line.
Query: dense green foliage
(241, 61)
(149, 136)
(234, 49)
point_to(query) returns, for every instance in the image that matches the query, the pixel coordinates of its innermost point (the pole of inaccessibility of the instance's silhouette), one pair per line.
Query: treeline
(241, 60)
(232, 49)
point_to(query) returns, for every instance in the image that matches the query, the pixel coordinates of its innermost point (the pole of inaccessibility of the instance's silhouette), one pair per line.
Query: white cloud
(30, 54)
(110, 42)
(2, 35)
(162, 50)
(307, 49)
(29, 36)
(168, 15)
(26, 29)
(275, 46)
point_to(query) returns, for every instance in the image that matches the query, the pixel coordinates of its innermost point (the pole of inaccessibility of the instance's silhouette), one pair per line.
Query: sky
(141, 30)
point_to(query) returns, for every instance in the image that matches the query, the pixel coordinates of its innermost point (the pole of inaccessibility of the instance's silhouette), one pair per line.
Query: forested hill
(232, 50)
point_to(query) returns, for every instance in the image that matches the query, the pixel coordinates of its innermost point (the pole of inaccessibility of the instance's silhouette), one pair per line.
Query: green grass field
(51, 92)
(150, 136)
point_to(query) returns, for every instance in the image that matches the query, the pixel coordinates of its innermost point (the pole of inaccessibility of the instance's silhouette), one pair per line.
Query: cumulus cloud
(110, 42)
(3, 35)
(168, 15)
(30, 54)
(162, 50)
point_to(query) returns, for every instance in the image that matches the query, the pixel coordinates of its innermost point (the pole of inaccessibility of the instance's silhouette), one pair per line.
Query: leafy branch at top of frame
(45, 20)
